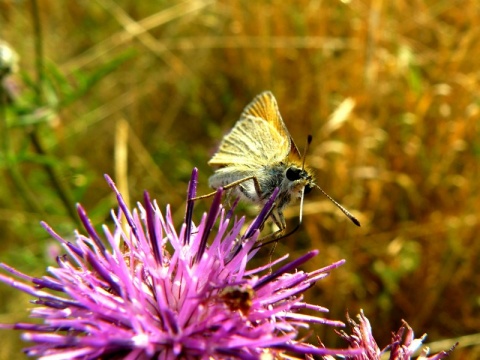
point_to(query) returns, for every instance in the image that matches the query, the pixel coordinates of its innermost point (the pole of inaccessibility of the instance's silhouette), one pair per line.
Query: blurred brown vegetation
(389, 90)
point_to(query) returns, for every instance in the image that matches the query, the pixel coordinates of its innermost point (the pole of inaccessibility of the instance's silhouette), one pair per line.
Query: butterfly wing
(260, 137)
(252, 141)
(265, 106)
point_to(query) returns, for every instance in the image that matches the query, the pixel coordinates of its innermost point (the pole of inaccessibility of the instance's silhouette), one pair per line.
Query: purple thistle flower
(403, 345)
(150, 292)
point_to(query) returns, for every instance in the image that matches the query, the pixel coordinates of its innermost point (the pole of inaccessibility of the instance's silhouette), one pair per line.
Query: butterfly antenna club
(345, 211)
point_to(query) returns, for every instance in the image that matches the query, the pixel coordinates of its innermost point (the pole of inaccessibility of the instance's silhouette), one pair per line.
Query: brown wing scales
(265, 106)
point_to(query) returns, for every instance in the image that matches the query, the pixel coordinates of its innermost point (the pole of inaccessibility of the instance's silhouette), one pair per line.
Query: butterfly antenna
(345, 211)
(307, 145)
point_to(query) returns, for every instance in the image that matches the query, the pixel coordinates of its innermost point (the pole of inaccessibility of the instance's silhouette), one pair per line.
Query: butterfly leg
(279, 219)
(233, 184)
(277, 235)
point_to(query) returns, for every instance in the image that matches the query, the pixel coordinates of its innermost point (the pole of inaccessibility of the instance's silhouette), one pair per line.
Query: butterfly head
(300, 180)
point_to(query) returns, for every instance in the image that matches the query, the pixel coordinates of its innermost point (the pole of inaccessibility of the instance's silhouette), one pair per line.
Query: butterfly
(258, 155)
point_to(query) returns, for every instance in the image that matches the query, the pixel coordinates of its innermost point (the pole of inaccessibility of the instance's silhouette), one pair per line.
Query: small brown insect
(238, 298)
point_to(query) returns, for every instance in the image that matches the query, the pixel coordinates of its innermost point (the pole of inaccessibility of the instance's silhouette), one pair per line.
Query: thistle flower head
(404, 346)
(147, 291)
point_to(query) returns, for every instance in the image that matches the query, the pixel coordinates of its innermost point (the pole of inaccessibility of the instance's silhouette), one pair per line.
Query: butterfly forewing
(259, 136)
(265, 106)
(252, 141)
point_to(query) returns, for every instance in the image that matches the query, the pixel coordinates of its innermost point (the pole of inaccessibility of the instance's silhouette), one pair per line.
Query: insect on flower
(259, 155)
(238, 298)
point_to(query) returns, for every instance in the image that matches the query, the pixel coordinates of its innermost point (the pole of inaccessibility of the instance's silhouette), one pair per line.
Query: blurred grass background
(144, 91)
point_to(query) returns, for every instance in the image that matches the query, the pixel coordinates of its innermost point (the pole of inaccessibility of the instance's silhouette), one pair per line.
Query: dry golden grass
(389, 90)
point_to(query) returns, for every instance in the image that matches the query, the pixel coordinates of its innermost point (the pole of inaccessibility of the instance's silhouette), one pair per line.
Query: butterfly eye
(293, 174)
